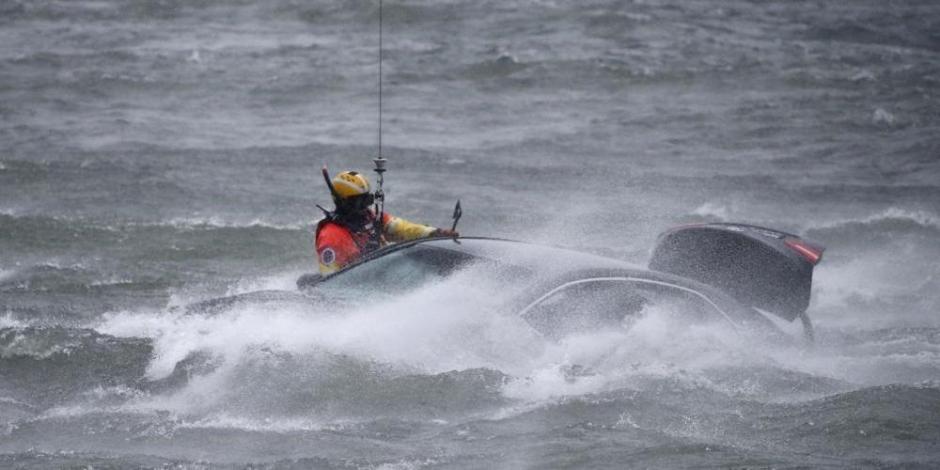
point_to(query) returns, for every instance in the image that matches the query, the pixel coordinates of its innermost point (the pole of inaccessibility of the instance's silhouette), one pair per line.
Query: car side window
(397, 272)
(610, 303)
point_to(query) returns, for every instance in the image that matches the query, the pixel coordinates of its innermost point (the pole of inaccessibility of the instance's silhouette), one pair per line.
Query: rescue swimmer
(353, 230)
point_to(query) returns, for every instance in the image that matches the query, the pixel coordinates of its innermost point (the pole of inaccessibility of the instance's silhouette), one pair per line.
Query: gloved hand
(443, 232)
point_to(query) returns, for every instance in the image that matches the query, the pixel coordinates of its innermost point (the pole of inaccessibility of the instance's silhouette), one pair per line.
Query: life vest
(342, 240)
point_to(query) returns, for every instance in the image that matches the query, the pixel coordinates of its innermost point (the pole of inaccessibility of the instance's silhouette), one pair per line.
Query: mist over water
(156, 157)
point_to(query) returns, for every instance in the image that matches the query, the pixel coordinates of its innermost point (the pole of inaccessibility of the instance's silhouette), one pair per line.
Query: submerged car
(735, 274)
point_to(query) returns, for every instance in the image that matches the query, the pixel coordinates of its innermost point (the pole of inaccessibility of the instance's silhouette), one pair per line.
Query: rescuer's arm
(400, 230)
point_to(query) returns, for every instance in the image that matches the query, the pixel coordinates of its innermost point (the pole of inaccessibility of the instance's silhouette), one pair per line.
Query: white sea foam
(8, 321)
(279, 425)
(454, 325)
(409, 464)
(458, 324)
(113, 281)
(219, 222)
(658, 344)
(445, 327)
(6, 274)
(881, 116)
(892, 270)
(420, 330)
(284, 281)
(711, 210)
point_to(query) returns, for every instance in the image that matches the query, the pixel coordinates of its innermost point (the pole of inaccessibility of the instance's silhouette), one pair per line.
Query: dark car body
(557, 290)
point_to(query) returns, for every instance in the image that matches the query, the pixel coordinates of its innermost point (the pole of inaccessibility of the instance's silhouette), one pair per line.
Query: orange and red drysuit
(339, 243)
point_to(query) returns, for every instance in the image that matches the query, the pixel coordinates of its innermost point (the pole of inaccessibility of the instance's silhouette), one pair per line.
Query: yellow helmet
(349, 184)
(351, 192)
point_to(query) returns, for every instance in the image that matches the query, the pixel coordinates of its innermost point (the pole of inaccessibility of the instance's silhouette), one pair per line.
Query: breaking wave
(80, 359)
(890, 220)
(448, 351)
(874, 264)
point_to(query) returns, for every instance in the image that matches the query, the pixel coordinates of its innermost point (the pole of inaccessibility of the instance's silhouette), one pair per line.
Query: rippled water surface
(155, 154)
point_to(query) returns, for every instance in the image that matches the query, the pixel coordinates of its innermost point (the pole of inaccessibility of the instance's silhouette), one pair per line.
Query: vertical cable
(379, 160)
(380, 78)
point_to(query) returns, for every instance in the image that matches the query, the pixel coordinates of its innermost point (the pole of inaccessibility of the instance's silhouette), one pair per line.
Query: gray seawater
(157, 153)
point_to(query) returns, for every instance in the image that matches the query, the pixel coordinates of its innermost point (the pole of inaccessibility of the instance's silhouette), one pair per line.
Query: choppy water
(159, 153)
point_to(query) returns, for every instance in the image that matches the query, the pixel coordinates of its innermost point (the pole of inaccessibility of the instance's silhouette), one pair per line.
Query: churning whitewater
(159, 175)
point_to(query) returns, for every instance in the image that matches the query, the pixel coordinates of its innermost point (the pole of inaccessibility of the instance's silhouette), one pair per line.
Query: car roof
(547, 263)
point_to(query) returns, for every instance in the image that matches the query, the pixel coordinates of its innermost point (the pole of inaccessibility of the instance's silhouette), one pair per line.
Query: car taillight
(807, 251)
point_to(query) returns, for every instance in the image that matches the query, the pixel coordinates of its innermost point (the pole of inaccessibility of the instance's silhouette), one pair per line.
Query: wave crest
(893, 219)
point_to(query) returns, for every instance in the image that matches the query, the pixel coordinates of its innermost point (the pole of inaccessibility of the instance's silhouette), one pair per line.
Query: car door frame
(631, 279)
